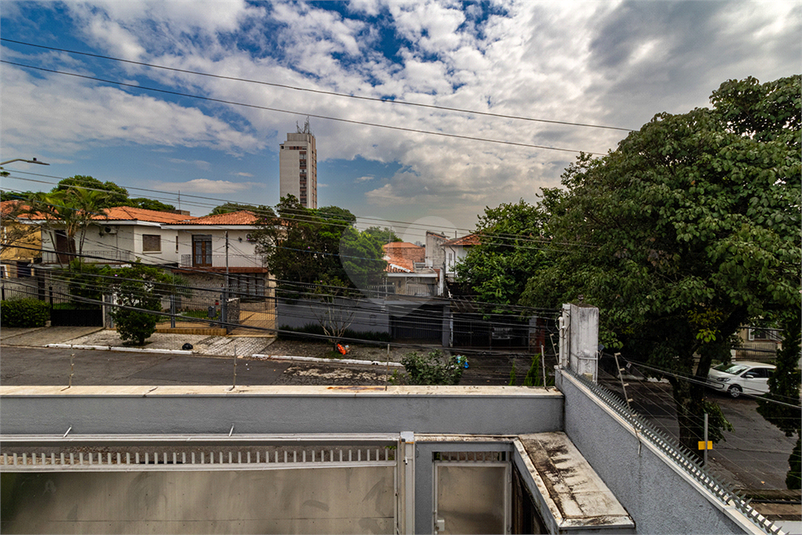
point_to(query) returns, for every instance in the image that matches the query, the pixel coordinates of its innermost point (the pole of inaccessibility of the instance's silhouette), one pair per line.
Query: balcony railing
(250, 261)
(101, 256)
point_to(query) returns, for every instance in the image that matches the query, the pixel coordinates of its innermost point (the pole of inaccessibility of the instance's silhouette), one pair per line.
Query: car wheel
(735, 391)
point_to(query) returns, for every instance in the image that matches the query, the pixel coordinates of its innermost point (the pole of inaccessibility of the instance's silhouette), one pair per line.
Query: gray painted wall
(655, 495)
(324, 500)
(368, 316)
(257, 410)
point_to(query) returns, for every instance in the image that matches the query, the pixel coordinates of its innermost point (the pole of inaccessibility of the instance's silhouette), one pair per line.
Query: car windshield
(731, 368)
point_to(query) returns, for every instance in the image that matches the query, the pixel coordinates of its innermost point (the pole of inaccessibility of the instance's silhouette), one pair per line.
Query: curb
(124, 349)
(327, 361)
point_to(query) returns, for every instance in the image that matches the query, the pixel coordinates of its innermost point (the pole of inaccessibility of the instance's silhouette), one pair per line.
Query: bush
(433, 368)
(137, 287)
(27, 312)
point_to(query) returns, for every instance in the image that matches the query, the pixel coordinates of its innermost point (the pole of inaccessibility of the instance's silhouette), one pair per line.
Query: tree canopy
(683, 234)
(318, 248)
(509, 251)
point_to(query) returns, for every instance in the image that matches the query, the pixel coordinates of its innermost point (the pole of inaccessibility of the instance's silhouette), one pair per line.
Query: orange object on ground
(341, 349)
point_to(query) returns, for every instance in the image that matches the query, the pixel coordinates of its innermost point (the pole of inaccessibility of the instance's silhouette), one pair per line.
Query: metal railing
(219, 261)
(103, 256)
(210, 458)
(683, 458)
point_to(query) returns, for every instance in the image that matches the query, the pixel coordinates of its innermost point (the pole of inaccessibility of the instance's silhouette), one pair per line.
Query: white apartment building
(298, 167)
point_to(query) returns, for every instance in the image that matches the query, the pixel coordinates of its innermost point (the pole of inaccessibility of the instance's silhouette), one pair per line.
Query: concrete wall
(255, 409)
(368, 316)
(654, 490)
(324, 500)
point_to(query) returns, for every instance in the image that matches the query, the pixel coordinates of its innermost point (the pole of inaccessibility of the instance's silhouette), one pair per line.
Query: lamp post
(32, 160)
(4, 173)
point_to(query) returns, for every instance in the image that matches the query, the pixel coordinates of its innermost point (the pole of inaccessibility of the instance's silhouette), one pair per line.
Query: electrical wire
(317, 91)
(292, 112)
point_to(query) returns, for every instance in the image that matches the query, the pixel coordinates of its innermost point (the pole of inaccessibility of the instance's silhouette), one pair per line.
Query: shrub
(433, 368)
(27, 312)
(137, 287)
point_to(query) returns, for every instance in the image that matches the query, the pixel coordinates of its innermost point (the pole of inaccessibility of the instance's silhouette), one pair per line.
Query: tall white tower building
(298, 167)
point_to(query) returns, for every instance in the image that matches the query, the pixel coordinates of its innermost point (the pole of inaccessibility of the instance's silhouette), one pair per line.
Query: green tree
(229, 207)
(687, 231)
(114, 195)
(70, 211)
(302, 246)
(139, 289)
(510, 250)
(383, 235)
(149, 204)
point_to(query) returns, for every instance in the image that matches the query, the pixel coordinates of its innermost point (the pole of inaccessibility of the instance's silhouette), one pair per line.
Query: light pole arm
(34, 160)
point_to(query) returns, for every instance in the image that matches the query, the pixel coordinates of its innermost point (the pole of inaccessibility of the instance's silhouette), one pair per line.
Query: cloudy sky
(605, 63)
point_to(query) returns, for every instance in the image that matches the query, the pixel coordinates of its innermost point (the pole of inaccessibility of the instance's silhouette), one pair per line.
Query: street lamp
(32, 160)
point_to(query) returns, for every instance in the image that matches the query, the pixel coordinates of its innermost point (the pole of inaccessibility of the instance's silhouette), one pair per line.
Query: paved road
(754, 455)
(50, 366)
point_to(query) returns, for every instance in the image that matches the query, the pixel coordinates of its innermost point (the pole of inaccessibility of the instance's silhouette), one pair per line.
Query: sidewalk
(107, 338)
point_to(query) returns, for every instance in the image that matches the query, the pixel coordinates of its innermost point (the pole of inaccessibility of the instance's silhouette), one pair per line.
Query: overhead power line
(319, 91)
(292, 112)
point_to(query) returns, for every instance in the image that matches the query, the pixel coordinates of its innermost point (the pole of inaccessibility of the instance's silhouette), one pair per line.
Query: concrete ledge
(173, 409)
(327, 361)
(121, 348)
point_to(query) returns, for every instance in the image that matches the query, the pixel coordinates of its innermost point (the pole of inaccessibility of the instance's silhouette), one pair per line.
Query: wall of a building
(261, 409)
(289, 167)
(242, 253)
(323, 500)
(367, 316)
(654, 490)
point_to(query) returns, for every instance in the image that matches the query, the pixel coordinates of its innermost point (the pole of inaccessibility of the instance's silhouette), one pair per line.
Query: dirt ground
(300, 348)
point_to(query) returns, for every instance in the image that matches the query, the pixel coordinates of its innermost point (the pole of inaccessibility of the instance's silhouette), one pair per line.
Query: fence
(752, 459)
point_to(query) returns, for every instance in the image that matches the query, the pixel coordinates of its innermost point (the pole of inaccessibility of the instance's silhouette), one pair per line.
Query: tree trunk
(690, 404)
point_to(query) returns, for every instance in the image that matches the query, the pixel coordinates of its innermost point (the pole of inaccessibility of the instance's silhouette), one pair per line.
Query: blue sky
(607, 63)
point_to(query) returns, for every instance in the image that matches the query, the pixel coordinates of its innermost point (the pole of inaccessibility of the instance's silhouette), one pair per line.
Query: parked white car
(741, 377)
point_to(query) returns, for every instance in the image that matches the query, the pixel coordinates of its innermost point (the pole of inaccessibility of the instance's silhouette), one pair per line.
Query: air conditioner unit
(109, 230)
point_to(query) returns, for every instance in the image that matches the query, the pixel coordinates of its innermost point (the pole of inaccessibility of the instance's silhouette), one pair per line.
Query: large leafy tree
(303, 245)
(510, 250)
(114, 195)
(687, 231)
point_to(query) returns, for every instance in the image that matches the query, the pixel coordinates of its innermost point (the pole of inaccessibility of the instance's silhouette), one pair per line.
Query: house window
(151, 243)
(176, 244)
(202, 250)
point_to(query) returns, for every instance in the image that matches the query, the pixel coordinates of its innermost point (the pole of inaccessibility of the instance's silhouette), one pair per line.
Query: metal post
(172, 311)
(543, 365)
(51, 296)
(705, 437)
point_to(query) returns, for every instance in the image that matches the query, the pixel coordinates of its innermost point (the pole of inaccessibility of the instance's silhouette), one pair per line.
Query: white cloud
(204, 185)
(200, 164)
(613, 63)
(249, 175)
(78, 116)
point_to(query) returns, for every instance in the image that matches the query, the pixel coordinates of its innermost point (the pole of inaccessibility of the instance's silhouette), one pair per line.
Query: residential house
(407, 271)
(209, 247)
(21, 241)
(119, 235)
(456, 250)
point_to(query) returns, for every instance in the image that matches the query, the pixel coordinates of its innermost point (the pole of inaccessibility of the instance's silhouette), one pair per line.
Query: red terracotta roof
(465, 241)
(243, 217)
(129, 213)
(7, 209)
(401, 256)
